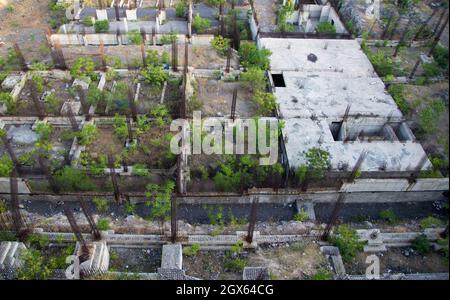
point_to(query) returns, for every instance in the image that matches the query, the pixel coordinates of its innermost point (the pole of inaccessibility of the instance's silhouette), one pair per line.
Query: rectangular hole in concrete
(335, 128)
(278, 80)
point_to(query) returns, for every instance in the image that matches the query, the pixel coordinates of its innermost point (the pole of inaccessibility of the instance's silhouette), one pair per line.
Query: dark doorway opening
(278, 80)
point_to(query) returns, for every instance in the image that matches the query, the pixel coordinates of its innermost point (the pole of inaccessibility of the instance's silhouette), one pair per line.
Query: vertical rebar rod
(36, 100)
(227, 69)
(252, 220)
(233, 105)
(132, 104)
(88, 214)
(438, 37)
(334, 216)
(113, 174)
(424, 25)
(174, 56)
(173, 220)
(402, 38)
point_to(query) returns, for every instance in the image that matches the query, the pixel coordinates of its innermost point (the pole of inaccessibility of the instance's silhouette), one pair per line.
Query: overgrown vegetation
(325, 27)
(389, 217)
(421, 244)
(346, 239)
(245, 172)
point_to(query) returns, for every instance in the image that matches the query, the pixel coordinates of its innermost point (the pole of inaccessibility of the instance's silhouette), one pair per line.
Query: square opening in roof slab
(278, 80)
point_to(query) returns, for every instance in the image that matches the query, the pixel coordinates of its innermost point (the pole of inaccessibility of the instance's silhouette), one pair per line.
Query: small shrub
(180, 9)
(83, 67)
(430, 115)
(154, 75)
(430, 222)
(87, 21)
(235, 264)
(44, 130)
(220, 44)
(3, 206)
(140, 170)
(200, 25)
(431, 69)
(302, 216)
(325, 27)
(389, 216)
(9, 102)
(71, 180)
(421, 244)
(129, 208)
(87, 134)
(254, 79)
(168, 39)
(103, 224)
(101, 26)
(318, 161)
(346, 239)
(6, 166)
(135, 37)
(101, 203)
(251, 56)
(267, 103)
(397, 92)
(322, 275)
(444, 244)
(191, 251)
(38, 82)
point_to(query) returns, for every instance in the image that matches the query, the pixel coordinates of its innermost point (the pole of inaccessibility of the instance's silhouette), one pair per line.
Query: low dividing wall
(95, 39)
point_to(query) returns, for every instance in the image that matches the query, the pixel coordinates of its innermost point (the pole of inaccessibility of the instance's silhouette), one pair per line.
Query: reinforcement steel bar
(173, 220)
(94, 229)
(113, 174)
(334, 216)
(252, 220)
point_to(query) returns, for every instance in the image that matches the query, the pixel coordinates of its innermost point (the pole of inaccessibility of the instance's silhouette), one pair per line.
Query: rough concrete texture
(172, 257)
(10, 256)
(318, 93)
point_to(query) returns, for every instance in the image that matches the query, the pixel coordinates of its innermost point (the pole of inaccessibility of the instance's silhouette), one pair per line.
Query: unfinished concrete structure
(312, 13)
(331, 98)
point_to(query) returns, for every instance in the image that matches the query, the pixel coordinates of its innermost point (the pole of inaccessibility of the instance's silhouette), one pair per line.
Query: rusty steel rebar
(252, 220)
(88, 214)
(334, 216)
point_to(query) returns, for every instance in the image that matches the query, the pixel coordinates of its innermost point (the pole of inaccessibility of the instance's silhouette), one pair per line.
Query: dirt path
(24, 22)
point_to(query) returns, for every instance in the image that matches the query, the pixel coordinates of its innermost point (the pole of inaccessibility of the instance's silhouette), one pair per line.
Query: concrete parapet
(172, 256)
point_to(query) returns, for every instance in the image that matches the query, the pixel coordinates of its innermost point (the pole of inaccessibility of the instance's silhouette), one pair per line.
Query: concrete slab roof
(304, 134)
(333, 56)
(318, 93)
(328, 96)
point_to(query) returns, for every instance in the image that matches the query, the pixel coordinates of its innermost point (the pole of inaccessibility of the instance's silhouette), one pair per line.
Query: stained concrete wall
(21, 184)
(376, 185)
(430, 184)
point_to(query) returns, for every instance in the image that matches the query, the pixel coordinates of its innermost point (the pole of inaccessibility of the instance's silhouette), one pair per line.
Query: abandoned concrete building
(91, 172)
(331, 97)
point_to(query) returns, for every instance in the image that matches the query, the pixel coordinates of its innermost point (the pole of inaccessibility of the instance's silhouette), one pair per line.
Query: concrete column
(101, 14)
(125, 25)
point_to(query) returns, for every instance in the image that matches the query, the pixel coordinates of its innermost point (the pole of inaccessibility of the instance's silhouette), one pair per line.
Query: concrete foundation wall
(21, 184)
(376, 185)
(432, 184)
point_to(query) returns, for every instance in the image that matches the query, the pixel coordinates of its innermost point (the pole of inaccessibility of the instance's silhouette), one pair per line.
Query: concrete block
(4, 249)
(75, 106)
(307, 207)
(172, 257)
(10, 82)
(131, 14)
(338, 265)
(101, 14)
(84, 83)
(255, 273)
